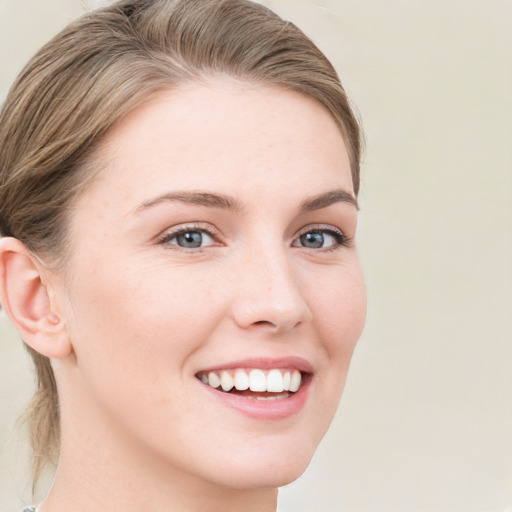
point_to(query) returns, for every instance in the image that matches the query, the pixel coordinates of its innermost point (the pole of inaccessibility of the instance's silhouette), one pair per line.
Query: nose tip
(278, 307)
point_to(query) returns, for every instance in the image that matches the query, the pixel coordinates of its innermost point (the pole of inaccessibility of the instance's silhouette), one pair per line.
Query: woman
(178, 208)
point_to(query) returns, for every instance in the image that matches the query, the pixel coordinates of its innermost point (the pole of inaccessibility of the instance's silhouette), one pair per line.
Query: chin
(268, 477)
(255, 472)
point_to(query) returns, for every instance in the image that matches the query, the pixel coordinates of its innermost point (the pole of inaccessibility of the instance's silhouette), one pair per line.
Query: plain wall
(425, 423)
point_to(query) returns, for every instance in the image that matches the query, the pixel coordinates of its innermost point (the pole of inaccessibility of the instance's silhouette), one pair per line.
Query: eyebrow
(225, 202)
(327, 198)
(197, 198)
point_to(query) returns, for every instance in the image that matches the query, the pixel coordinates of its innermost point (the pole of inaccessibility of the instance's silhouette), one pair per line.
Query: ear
(24, 295)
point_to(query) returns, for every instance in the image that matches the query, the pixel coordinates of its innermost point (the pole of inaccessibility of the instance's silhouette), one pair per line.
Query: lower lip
(263, 409)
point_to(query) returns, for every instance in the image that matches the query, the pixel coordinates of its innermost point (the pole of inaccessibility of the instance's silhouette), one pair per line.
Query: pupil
(312, 240)
(190, 239)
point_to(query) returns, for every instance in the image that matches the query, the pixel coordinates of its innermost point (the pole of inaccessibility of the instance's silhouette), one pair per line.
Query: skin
(140, 315)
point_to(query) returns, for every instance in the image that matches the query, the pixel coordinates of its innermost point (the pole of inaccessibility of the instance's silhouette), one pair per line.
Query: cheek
(143, 322)
(137, 323)
(339, 309)
(134, 335)
(339, 316)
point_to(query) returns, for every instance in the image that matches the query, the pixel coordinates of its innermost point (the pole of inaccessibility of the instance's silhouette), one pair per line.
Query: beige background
(426, 420)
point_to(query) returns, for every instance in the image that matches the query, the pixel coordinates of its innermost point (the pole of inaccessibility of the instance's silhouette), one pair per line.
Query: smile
(256, 384)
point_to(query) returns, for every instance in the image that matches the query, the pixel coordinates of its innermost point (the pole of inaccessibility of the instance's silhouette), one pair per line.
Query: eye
(321, 239)
(189, 238)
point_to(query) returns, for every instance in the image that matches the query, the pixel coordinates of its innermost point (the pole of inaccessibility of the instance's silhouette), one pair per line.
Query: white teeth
(275, 382)
(286, 381)
(226, 381)
(295, 381)
(276, 397)
(213, 380)
(257, 381)
(241, 380)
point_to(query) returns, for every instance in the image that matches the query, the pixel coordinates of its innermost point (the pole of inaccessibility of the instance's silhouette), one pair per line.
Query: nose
(270, 295)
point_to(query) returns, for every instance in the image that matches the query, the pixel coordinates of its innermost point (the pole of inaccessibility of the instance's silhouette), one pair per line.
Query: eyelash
(192, 228)
(341, 240)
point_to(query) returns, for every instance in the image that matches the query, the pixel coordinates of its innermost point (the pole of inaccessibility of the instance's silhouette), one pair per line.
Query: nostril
(264, 322)
(274, 327)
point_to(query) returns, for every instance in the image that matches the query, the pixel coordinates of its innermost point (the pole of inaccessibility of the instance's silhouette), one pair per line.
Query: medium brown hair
(97, 70)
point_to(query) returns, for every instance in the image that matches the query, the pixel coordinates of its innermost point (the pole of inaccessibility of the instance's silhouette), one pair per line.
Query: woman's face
(215, 245)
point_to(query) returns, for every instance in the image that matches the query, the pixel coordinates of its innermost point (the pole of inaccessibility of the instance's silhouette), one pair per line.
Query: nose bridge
(270, 294)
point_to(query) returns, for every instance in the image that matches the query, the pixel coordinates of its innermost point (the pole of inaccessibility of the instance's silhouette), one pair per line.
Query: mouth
(255, 383)
(260, 388)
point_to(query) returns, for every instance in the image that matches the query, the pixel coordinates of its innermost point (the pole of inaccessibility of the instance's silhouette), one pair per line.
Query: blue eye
(321, 239)
(189, 239)
(312, 240)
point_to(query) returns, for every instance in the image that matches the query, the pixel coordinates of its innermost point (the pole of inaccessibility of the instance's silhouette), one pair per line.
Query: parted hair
(98, 69)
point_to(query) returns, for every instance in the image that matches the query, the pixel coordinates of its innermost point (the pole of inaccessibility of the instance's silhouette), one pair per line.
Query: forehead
(221, 137)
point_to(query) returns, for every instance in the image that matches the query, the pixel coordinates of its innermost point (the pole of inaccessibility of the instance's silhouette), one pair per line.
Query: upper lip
(265, 363)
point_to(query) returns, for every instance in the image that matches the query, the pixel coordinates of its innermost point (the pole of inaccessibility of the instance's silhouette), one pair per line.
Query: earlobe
(25, 297)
